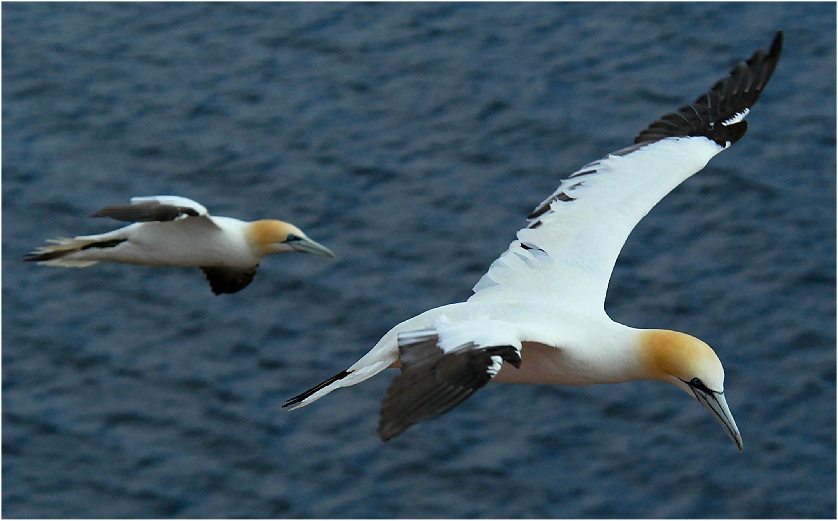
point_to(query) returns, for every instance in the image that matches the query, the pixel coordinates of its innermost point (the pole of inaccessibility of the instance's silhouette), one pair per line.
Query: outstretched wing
(440, 370)
(224, 279)
(570, 246)
(154, 208)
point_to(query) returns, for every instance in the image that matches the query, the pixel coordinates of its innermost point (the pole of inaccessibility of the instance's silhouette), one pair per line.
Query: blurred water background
(413, 139)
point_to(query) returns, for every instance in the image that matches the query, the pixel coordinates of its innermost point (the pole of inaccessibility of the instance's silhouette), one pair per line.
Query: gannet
(169, 230)
(538, 315)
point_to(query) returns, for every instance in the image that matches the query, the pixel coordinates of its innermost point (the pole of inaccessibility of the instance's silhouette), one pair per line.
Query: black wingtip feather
(727, 99)
(146, 212)
(223, 279)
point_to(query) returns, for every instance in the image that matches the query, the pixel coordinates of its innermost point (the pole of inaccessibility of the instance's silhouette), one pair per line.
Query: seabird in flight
(169, 230)
(538, 314)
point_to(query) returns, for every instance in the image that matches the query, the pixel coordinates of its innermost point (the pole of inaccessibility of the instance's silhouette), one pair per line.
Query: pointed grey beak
(306, 245)
(717, 405)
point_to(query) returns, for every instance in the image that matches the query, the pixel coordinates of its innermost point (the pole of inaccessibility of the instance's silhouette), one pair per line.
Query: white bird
(169, 230)
(541, 306)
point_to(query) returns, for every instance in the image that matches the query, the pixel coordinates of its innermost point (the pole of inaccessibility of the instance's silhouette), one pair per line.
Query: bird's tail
(59, 251)
(342, 379)
(385, 354)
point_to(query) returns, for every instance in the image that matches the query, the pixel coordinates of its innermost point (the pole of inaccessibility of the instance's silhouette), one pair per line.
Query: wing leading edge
(573, 237)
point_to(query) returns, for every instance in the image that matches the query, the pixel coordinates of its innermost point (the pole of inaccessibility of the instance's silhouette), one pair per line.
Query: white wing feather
(569, 250)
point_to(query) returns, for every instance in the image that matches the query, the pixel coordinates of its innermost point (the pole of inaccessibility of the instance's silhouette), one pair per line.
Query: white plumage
(540, 306)
(175, 231)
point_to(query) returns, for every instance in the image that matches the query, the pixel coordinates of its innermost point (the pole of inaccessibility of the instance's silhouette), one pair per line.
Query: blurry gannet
(170, 230)
(540, 307)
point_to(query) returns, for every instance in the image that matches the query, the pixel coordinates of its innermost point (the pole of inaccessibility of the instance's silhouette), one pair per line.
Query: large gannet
(541, 306)
(169, 230)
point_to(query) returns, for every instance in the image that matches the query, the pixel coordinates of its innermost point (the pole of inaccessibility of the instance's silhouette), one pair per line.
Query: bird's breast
(545, 364)
(188, 243)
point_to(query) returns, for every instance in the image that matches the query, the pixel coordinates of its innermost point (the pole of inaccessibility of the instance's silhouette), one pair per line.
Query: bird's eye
(291, 238)
(696, 383)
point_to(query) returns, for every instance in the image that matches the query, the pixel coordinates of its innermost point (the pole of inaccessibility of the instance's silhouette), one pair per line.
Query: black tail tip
(38, 257)
(776, 44)
(302, 396)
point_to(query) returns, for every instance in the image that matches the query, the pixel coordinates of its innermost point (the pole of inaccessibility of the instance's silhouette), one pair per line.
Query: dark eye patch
(696, 383)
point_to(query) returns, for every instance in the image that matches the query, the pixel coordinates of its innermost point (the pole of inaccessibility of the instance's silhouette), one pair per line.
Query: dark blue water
(412, 139)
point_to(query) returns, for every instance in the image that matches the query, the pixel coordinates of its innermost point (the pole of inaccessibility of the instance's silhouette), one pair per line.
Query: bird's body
(184, 243)
(540, 308)
(176, 231)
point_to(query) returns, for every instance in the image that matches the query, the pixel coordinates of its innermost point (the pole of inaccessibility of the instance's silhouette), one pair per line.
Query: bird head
(691, 365)
(271, 236)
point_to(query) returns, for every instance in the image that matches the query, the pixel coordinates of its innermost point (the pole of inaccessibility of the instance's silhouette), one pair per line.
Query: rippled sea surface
(412, 139)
